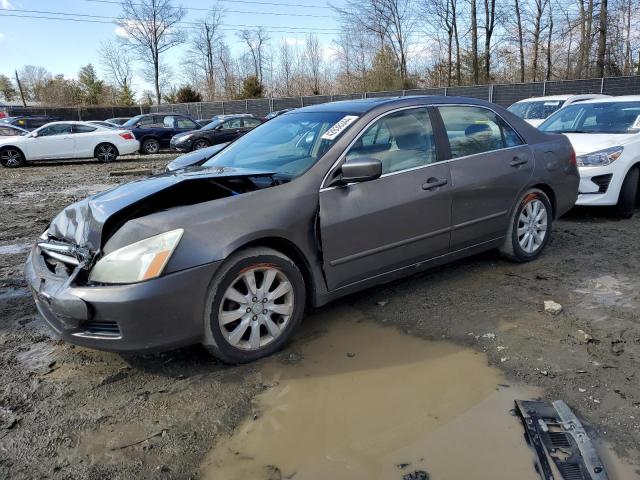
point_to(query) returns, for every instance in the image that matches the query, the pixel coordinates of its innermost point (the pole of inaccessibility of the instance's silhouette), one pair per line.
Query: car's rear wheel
(628, 194)
(201, 143)
(530, 227)
(254, 304)
(105, 152)
(150, 146)
(11, 157)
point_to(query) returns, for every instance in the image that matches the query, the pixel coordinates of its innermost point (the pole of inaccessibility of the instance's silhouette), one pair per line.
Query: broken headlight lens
(600, 158)
(139, 261)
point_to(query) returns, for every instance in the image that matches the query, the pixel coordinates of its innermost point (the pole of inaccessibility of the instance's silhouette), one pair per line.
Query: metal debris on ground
(557, 436)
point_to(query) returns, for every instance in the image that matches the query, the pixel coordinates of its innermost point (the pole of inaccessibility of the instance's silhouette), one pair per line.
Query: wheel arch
(548, 190)
(4, 147)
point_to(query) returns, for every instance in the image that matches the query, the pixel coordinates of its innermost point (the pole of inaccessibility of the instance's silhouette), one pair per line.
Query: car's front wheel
(11, 157)
(254, 304)
(530, 227)
(150, 146)
(200, 144)
(628, 194)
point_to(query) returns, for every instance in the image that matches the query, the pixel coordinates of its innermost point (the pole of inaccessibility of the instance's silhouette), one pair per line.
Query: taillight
(573, 161)
(129, 136)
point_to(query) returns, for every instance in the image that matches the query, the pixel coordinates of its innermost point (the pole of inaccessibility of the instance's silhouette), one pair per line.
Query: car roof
(562, 97)
(360, 106)
(620, 99)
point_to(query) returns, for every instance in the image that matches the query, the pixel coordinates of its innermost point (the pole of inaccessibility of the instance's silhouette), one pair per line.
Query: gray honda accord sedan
(312, 205)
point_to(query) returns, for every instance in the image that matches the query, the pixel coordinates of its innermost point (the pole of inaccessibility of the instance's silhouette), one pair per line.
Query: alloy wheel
(11, 158)
(106, 153)
(200, 144)
(256, 307)
(151, 146)
(532, 226)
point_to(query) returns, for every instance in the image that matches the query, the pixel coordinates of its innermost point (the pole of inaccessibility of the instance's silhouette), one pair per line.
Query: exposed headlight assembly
(139, 261)
(600, 158)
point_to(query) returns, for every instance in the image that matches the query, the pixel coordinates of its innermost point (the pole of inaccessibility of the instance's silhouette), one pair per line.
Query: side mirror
(34, 134)
(360, 170)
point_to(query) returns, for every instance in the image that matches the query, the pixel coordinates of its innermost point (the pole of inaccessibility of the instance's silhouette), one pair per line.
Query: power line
(238, 11)
(271, 4)
(107, 22)
(114, 19)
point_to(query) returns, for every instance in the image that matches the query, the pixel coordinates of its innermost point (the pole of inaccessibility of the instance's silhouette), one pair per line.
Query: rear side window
(232, 123)
(474, 130)
(168, 122)
(400, 140)
(83, 129)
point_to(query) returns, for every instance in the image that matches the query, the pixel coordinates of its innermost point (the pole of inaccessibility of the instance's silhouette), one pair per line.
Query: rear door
(401, 218)
(490, 165)
(52, 142)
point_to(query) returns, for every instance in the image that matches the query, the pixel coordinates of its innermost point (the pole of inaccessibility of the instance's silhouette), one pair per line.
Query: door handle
(433, 183)
(517, 162)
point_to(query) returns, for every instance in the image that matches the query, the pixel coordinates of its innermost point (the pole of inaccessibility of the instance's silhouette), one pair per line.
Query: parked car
(605, 134)
(118, 120)
(277, 113)
(8, 130)
(194, 158)
(311, 206)
(103, 123)
(222, 130)
(154, 130)
(30, 122)
(535, 110)
(62, 140)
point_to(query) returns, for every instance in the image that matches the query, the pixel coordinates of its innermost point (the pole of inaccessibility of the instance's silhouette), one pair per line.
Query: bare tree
(475, 66)
(117, 63)
(313, 57)
(489, 27)
(520, 39)
(151, 26)
(204, 42)
(602, 39)
(256, 41)
(549, 39)
(286, 58)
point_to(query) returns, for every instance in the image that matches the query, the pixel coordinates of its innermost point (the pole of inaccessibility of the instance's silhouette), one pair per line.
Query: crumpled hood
(592, 142)
(82, 223)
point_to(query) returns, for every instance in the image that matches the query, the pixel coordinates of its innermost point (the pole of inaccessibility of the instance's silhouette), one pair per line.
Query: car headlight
(139, 261)
(599, 158)
(182, 138)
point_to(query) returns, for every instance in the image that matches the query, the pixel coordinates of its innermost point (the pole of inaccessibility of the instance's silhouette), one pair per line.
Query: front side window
(233, 123)
(400, 140)
(58, 129)
(286, 146)
(474, 130)
(251, 122)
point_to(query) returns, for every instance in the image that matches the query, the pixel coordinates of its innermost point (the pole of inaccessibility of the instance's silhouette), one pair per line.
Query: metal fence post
(602, 85)
(544, 88)
(246, 106)
(302, 101)
(446, 89)
(223, 107)
(491, 92)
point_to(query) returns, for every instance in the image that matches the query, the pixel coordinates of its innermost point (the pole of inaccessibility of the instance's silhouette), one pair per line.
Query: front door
(401, 218)
(54, 141)
(490, 166)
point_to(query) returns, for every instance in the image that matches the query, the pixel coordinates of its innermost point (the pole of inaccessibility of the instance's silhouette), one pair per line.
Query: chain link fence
(502, 94)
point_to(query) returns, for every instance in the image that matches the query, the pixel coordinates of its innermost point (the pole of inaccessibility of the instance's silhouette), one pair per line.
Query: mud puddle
(367, 402)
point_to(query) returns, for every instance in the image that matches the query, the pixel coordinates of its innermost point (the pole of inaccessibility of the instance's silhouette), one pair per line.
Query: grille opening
(104, 328)
(602, 181)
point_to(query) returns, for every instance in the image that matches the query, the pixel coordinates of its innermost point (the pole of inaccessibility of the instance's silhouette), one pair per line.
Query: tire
(11, 157)
(525, 242)
(628, 194)
(231, 342)
(200, 143)
(105, 153)
(150, 146)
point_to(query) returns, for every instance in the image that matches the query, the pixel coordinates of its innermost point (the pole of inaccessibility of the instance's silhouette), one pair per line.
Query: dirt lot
(69, 412)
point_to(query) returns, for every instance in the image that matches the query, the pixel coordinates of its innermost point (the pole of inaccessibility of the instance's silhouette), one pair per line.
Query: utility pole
(24, 103)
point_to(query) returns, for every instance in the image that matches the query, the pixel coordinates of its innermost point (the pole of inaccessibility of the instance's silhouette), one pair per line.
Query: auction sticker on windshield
(339, 127)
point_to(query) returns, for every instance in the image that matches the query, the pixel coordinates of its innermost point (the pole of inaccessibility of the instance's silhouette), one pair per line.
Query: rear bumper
(159, 314)
(128, 148)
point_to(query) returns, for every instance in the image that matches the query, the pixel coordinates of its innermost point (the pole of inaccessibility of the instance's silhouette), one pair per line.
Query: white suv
(536, 109)
(605, 133)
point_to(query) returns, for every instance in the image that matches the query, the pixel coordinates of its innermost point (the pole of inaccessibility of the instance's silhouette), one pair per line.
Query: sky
(64, 46)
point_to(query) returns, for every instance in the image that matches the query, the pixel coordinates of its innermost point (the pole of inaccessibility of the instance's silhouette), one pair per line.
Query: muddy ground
(70, 412)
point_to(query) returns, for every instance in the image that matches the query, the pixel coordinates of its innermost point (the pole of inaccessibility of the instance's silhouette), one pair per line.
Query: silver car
(308, 207)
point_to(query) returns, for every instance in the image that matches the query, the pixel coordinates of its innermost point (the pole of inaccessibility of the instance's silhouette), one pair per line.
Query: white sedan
(605, 134)
(65, 140)
(536, 109)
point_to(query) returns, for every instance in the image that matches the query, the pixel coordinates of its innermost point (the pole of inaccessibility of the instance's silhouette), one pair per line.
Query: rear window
(538, 110)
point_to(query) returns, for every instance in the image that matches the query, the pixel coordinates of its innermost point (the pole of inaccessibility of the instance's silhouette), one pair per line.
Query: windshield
(288, 145)
(600, 117)
(537, 110)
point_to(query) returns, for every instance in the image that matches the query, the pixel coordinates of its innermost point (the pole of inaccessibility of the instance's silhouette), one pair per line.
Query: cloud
(121, 32)
(6, 4)
(292, 41)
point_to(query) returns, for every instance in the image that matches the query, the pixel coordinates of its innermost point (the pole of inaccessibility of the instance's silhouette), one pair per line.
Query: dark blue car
(154, 130)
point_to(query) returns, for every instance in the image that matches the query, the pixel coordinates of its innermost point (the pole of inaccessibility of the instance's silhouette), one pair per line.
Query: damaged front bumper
(159, 314)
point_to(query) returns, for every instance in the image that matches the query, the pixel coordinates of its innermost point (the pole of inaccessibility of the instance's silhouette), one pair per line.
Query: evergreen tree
(92, 87)
(251, 88)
